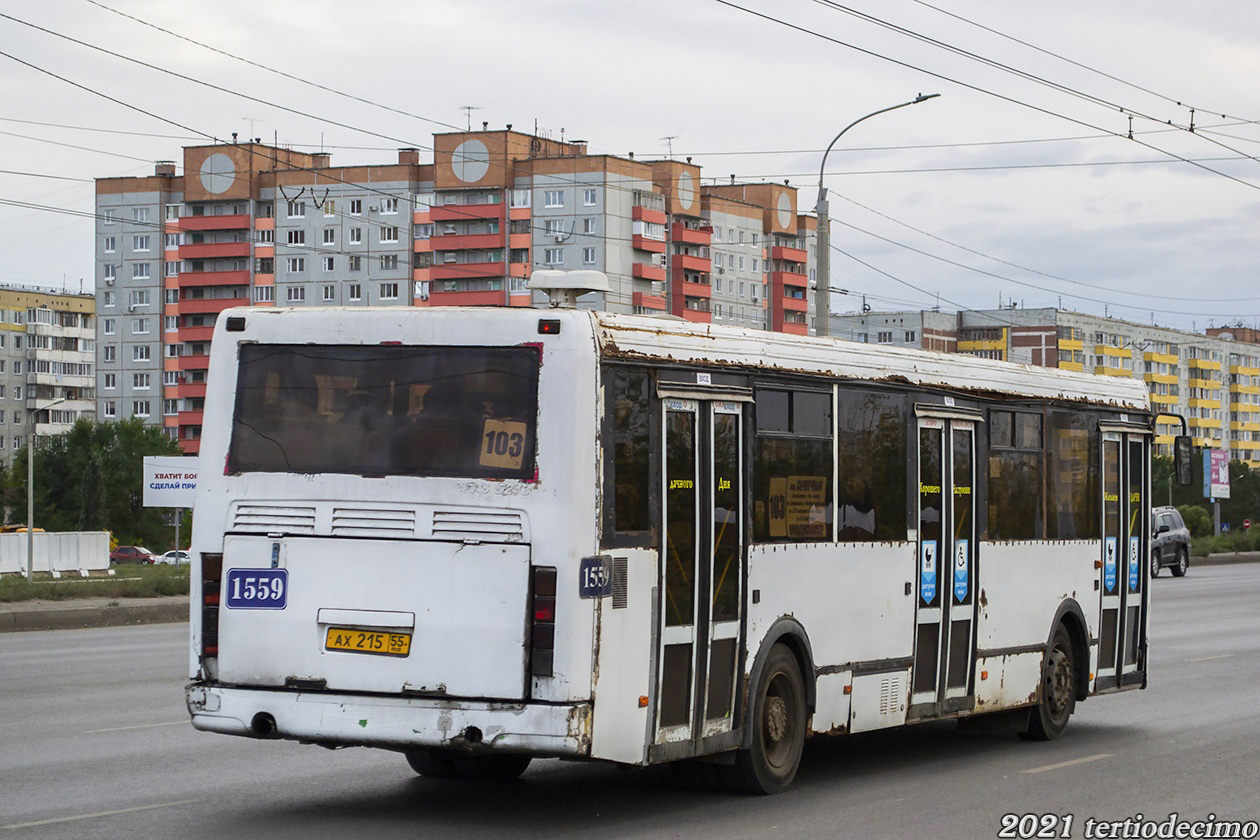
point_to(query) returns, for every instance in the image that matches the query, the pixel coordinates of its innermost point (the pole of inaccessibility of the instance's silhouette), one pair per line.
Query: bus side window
(793, 500)
(871, 448)
(627, 424)
(1015, 476)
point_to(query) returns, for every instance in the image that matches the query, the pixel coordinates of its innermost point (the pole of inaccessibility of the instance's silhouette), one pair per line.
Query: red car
(132, 554)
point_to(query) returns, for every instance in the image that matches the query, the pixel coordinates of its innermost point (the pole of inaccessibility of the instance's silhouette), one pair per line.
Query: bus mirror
(1182, 451)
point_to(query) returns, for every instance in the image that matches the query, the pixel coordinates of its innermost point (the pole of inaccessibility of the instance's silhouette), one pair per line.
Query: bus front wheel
(1049, 718)
(778, 721)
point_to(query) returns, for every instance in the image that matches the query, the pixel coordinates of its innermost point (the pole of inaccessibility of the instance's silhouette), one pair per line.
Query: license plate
(367, 641)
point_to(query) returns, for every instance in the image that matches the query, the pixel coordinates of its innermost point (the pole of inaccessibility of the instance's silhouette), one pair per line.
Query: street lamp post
(30, 489)
(822, 298)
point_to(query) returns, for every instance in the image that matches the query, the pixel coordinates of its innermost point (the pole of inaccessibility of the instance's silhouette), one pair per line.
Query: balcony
(643, 243)
(232, 222)
(649, 301)
(643, 214)
(188, 390)
(492, 297)
(466, 241)
(462, 212)
(200, 361)
(649, 271)
(463, 271)
(783, 252)
(196, 333)
(794, 328)
(696, 316)
(213, 278)
(213, 250)
(190, 418)
(208, 306)
(686, 262)
(795, 304)
(191, 446)
(691, 236)
(693, 290)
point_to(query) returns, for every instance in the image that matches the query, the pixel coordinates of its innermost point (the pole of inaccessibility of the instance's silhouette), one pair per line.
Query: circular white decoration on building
(217, 173)
(686, 190)
(785, 210)
(470, 161)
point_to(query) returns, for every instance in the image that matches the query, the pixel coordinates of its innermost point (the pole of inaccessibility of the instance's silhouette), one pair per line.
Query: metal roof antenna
(563, 288)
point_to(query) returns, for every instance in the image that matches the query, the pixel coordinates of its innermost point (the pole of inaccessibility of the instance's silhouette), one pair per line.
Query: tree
(91, 479)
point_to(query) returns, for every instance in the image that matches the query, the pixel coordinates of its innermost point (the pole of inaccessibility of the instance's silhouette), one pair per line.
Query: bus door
(702, 573)
(945, 578)
(1126, 514)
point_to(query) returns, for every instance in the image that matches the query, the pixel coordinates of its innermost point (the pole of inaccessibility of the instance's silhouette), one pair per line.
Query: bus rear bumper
(392, 722)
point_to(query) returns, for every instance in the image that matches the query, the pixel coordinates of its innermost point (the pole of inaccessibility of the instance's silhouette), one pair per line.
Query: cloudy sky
(1020, 183)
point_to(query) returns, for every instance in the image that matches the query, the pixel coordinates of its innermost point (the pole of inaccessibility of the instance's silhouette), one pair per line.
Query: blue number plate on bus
(257, 589)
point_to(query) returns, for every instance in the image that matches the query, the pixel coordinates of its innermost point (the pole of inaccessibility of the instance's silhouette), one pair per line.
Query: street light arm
(822, 191)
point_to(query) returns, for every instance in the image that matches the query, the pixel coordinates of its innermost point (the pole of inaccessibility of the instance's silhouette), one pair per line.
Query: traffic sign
(1246, 524)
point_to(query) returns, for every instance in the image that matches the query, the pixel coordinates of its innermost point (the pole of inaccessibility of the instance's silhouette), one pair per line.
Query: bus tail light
(211, 575)
(542, 629)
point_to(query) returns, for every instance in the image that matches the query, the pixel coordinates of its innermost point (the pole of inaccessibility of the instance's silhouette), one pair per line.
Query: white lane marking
(1210, 658)
(55, 820)
(1071, 763)
(139, 726)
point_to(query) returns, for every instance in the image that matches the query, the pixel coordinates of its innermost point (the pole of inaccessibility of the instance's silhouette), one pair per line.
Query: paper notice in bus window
(778, 506)
(807, 506)
(503, 444)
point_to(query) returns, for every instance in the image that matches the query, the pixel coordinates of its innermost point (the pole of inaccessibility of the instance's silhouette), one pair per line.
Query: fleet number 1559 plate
(367, 641)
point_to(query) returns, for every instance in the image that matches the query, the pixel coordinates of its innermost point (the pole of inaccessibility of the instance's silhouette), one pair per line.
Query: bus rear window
(385, 410)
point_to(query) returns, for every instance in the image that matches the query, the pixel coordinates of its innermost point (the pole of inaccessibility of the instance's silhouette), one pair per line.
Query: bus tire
(502, 767)
(1183, 562)
(778, 721)
(431, 763)
(1049, 718)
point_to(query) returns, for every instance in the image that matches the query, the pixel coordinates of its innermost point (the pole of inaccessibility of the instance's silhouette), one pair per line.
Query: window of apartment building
(330, 236)
(140, 408)
(520, 198)
(138, 297)
(389, 291)
(265, 265)
(139, 326)
(553, 227)
(172, 240)
(330, 293)
(107, 217)
(111, 380)
(170, 323)
(424, 231)
(356, 236)
(173, 212)
(297, 209)
(588, 197)
(170, 377)
(884, 337)
(107, 326)
(389, 261)
(140, 243)
(172, 268)
(553, 198)
(107, 355)
(140, 214)
(422, 259)
(553, 256)
(266, 237)
(389, 206)
(17, 371)
(424, 200)
(140, 353)
(389, 234)
(588, 256)
(356, 262)
(297, 237)
(910, 335)
(717, 234)
(140, 271)
(111, 271)
(295, 265)
(110, 244)
(330, 207)
(328, 263)
(295, 294)
(356, 206)
(354, 292)
(264, 294)
(141, 380)
(170, 407)
(589, 226)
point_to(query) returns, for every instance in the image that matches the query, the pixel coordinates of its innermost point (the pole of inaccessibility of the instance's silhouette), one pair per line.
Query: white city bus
(475, 536)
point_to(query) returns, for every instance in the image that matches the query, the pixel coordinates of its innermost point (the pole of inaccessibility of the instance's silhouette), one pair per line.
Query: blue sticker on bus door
(962, 570)
(257, 589)
(927, 571)
(1135, 569)
(1109, 564)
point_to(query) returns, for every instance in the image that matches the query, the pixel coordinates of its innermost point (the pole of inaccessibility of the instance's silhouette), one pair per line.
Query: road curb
(67, 617)
(1226, 559)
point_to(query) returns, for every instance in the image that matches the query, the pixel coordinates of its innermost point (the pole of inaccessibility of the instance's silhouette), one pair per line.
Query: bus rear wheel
(441, 764)
(1049, 718)
(778, 721)
(433, 764)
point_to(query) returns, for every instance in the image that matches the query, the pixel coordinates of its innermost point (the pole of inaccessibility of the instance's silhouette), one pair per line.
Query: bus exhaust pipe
(263, 725)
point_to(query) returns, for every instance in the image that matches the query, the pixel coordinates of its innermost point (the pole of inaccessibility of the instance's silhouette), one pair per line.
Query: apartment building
(253, 224)
(1212, 380)
(47, 364)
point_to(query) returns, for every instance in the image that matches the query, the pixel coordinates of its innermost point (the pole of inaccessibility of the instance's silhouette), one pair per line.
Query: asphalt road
(94, 742)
